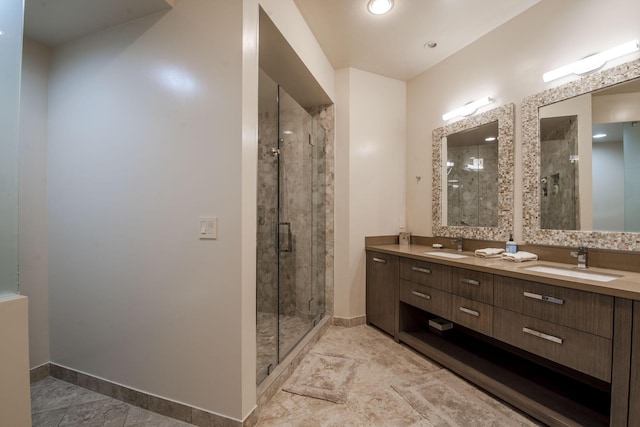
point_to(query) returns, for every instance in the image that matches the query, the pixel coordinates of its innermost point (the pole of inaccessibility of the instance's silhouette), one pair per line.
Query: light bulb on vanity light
(467, 109)
(592, 62)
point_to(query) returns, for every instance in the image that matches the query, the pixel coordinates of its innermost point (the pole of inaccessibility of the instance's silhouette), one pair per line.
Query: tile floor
(57, 403)
(371, 400)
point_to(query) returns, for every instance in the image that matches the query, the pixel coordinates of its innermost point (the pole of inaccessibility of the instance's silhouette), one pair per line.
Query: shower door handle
(289, 240)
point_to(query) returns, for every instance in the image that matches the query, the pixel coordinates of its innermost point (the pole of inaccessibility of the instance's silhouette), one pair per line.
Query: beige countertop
(626, 285)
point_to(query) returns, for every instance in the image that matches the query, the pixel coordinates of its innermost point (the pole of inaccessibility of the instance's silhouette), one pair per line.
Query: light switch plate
(208, 227)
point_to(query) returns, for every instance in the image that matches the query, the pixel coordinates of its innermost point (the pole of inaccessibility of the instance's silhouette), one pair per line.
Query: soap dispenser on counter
(511, 248)
(404, 237)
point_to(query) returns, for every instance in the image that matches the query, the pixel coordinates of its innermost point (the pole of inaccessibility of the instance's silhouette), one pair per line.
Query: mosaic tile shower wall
(559, 176)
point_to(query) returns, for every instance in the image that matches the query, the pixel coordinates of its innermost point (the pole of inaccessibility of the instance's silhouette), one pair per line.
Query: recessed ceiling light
(599, 135)
(1, 33)
(379, 7)
(430, 45)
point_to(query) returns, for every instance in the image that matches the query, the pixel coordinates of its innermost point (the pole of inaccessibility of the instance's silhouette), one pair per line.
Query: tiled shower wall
(559, 209)
(302, 282)
(472, 200)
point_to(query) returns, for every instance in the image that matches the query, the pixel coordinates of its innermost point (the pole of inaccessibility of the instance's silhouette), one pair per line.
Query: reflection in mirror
(473, 177)
(616, 176)
(472, 173)
(584, 193)
(559, 175)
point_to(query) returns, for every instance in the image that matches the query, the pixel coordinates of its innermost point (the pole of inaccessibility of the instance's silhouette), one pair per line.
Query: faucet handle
(581, 250)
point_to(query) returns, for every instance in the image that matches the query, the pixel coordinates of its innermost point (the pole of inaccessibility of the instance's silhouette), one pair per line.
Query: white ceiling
(53, 22)
(392, 45)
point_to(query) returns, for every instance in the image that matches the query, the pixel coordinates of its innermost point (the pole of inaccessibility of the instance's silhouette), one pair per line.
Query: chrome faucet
(581, 254)
(458, 241)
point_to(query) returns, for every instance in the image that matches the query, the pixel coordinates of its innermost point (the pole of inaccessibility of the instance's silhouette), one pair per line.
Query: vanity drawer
(585, 311)
(575, 349)
(472, 314)
(474, 285)
(434, 275)
(426, 298)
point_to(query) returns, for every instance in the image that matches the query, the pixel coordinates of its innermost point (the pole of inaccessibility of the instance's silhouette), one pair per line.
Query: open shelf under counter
(552, 398)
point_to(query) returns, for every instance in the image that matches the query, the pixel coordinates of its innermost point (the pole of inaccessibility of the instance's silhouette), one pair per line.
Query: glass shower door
(291, 225)
(295, 227)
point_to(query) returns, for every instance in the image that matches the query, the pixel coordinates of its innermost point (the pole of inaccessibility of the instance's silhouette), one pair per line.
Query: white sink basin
(577, 274)
(445, 254)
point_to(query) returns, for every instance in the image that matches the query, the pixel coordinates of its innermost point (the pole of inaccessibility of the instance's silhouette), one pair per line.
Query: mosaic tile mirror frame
(532, 232)
(504, 115)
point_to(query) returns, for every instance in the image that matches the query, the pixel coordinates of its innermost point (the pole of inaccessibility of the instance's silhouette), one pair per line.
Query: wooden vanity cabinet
(426, 285)
(634, 379)
(382, 291)
(571, 327)
(565, 356)
(426, 298)
(586, 311)
(472, 300)
(475, 285)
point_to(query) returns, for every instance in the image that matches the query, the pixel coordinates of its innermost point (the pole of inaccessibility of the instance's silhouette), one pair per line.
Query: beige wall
(507, 64)
(151, 125)
(15, 401)
(370, 175)
(33, 196)
(145, 135)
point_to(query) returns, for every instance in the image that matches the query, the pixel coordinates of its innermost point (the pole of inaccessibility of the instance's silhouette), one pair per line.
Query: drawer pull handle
(542, 335)
(544, 298)
(470, 282)
(421, 295)
(468, 311)
(381, 260)
(421, 270)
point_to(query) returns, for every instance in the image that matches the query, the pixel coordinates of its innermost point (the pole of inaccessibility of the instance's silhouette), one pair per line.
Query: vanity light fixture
(592, 62)
(599, 135)
(467, 109)
(379, 7)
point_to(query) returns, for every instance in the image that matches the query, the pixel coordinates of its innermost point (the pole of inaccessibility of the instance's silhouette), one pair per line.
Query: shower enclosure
(290, 270)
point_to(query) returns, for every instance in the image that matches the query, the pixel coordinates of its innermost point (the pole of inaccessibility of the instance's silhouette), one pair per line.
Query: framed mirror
(473, 176)
(581, 148)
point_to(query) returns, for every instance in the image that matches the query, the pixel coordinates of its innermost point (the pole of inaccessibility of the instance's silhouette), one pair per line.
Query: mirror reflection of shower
(472, 176)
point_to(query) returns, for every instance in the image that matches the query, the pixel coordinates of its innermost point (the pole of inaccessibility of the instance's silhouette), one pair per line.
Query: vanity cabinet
(562, 355)
(571, 327)
(475, 285)
(584, 352)
(472, 300)
(382, 290)
(426, 285)
(585, 311)
(634, 392)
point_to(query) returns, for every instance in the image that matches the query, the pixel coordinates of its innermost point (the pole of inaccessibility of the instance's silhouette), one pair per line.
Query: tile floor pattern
(371, 400)
(56, 403)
